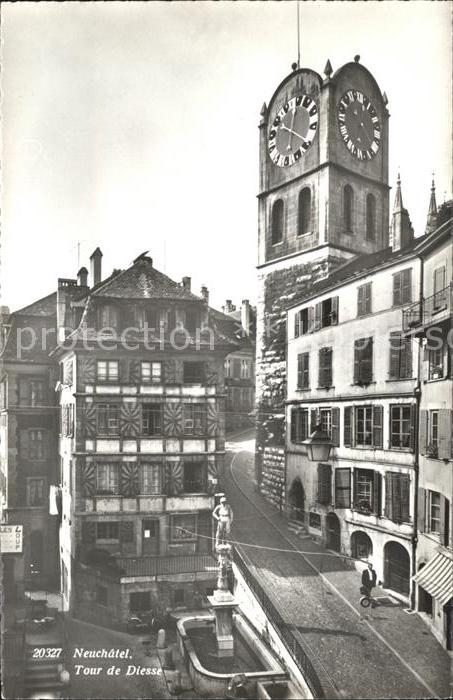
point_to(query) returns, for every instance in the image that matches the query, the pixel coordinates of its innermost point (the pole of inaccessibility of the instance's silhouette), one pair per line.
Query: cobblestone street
(385, 653)
(91, 637)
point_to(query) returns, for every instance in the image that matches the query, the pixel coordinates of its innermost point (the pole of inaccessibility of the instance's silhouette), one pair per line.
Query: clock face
(293, 130)
(359, 125)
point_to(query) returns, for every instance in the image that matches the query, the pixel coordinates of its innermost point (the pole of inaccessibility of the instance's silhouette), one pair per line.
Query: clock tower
(323, 199)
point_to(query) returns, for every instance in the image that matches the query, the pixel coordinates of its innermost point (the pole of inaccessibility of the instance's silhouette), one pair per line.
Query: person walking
(368, 579)
(223, 513)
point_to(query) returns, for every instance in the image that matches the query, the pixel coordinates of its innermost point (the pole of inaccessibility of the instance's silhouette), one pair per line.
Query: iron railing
(316, 679)
(155, 566)
(428, 310)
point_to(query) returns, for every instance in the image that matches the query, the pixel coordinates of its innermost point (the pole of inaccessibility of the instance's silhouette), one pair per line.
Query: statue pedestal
(222, 604)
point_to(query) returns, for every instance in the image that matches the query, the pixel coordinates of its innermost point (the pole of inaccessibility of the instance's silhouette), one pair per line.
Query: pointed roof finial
(385, 99)
(432, 210)
(328, 69)
(398, 196)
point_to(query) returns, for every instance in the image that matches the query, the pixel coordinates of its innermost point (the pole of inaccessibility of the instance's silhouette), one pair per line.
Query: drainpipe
(417, 394)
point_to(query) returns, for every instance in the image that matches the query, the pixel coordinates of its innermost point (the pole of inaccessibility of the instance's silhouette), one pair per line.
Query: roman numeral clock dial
(359, 125)
(293, 130)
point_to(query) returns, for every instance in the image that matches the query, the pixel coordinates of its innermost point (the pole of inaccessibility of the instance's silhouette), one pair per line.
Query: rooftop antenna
(298, 36)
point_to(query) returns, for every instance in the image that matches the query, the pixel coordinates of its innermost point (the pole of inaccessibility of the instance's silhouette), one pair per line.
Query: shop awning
(436, 577)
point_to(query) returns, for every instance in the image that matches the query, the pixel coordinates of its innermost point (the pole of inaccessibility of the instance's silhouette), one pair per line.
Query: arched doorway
(396, 568)
(425, 600)
(333, 528)
(361, 545)
(296, 499)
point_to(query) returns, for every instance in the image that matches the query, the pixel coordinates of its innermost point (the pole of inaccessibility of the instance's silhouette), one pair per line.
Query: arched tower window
(370, 216)
(348, 204)
(304, 212)
(277, 221)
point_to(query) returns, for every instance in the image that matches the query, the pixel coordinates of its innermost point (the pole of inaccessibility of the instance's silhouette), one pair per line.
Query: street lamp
(318, 445)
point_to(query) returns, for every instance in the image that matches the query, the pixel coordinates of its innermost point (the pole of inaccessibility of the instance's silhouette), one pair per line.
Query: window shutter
(293, 424)
(404, 499)
(310, 315)
(445, 425)
(318, 316)
(357, 361)
(406, 358)
(297, 324)
(377, 426)
(334, 312)
(324, 494)
(342, 488)
(367, 301)
(335, 426)
(360, 300)
(395, 355)
(389, 495)
(24, 392)
(423, 432)
(397, 283)
(377, 493)
(444, 520)
(406, 286)
(300, 373)
(347, 429)
(421, 509)
(366, 371)
(313, 419)
(354, 486)
(412, 428)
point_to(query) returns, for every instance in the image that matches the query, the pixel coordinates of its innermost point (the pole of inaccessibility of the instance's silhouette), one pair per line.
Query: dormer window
(152, 319)
(108, 317)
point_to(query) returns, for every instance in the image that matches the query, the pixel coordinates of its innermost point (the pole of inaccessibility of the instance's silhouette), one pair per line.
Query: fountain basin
(211, 674)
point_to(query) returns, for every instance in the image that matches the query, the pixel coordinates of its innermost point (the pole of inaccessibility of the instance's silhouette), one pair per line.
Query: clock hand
(293, 132)
(288, 148)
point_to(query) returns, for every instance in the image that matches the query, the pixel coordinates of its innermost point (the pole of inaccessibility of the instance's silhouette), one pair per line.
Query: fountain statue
(223, 603)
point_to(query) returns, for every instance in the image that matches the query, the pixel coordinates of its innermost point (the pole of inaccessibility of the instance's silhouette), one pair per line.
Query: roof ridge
(37, 301)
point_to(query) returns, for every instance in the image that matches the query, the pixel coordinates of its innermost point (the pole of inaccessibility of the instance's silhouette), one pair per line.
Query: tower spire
(431, 220)
(398, 205)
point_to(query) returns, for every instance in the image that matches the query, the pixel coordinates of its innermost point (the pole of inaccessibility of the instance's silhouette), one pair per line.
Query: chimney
(205, 294)
(82, 277)
(186, 282)
(245, 316)
(402, 231)
(229, 307)
(96, 267)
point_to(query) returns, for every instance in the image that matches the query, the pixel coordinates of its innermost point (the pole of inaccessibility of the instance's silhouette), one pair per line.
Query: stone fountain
(223, 603)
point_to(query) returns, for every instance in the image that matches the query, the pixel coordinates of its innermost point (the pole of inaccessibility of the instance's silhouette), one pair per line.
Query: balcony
(428, 312)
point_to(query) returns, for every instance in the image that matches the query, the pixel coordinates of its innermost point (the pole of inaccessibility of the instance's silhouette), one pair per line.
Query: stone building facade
(28, 450)
(142, 397)
(322, 200)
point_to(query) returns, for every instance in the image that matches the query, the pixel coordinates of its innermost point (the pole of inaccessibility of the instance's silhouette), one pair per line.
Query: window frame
(108, 525)
(325, 368)
(370, 217)
(113, 475)
(109, 376)
(362, 346)
(112, 423)
(364, 299)
(41, 501)
(144, 490)
(436, 363)
(38, 452)
(402, 288)
(304, 212)
(348, 209)
(400, 408)
(153, 410)
(303, 371)
(196, 377)
(430, 508)
(181, 539)
(299, 424)
(200, 480)
(198, 418)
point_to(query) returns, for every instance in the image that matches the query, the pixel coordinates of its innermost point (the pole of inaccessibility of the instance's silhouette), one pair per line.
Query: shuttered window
(440, 292)
(299, 425)
(325, 367)
(342, 488)
(303, 371)
(402, 287)
(363, 361)
(326, 313)
(400, 359)
(335, 427)
(402, 426)
(397, 491)
(364, 299)
(324, 483)
(445, 428)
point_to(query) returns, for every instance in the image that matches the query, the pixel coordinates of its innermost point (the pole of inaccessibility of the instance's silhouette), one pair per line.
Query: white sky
(133, 126)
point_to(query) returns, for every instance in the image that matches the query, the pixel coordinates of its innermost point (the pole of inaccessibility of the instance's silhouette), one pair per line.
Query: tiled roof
(47, 306)
(360, 266)
(142, 281)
